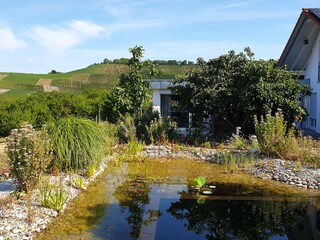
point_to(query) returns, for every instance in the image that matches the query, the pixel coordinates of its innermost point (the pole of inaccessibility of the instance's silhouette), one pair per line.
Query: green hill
(95, 76)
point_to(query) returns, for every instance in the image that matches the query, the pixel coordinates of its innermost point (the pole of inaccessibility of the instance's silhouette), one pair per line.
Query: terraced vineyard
(96, 76)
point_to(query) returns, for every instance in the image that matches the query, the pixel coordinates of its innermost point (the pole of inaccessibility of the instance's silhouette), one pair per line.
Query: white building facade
(302, 53)
(169, 105)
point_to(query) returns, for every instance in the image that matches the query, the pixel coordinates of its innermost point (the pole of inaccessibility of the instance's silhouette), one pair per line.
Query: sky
(37, 36)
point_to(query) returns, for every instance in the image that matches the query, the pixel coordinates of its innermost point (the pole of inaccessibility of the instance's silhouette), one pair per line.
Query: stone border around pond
(13, 219)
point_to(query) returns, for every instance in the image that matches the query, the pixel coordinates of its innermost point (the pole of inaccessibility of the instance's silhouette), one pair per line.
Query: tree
(234, 87)
(132, 92)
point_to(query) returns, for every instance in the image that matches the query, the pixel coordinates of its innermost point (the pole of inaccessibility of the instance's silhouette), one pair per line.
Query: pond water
(154, 199)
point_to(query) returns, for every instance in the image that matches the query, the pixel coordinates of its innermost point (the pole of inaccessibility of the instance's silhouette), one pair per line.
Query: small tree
(132, 92)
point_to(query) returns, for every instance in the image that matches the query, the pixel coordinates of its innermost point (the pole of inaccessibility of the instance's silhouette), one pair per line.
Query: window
(171, 107)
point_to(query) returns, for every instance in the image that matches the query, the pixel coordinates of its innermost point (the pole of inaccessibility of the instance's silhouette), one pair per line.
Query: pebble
(13, 218)
(15, 231)
(284, 171)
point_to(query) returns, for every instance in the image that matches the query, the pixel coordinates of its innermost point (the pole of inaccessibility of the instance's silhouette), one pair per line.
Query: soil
(44, 82)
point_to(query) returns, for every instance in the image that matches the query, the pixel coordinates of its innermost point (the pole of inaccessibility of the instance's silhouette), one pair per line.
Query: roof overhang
(301, 41)
(160, 84)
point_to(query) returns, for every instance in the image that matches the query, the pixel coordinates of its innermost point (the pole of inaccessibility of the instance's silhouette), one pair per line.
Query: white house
(169, 105)
(302, 53)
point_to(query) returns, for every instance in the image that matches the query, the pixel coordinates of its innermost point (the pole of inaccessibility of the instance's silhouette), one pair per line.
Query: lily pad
(201, 200)
(207, 192)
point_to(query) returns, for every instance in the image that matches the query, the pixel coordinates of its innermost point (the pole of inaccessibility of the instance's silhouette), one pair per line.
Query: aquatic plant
(201, 200)
(57, 198)
(90, 170)
(79, 182)
(199, 182)
(44, 190)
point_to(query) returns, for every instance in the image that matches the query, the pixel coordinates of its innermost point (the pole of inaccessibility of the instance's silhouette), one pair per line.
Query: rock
(8, 228)
(254, 150)
(15, 231)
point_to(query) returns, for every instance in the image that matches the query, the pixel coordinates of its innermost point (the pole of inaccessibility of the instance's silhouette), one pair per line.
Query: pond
(154, 199)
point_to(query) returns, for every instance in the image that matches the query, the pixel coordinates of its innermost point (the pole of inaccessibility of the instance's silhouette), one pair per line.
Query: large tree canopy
(234, 87)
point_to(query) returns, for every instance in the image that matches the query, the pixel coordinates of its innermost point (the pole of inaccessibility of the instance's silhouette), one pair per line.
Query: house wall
(311, 72)
(156, 98)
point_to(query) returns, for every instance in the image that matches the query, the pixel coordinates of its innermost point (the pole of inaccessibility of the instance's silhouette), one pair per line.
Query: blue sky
(38, 36)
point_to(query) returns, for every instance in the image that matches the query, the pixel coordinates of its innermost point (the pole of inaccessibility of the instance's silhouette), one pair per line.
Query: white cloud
(55, 39)
(86, 27)
(8, 40)
(60, 38)
(135, 25)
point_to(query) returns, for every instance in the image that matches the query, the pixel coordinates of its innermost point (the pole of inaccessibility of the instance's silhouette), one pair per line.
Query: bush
(198, 136)
(29, 153)
(143, 121)
(127, 129)
(272, 134)
(77, 143)
(275, 139)
(162, 130)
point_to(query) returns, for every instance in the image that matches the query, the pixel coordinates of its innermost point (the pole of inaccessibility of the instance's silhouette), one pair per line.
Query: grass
(77, 143)
(97, 76)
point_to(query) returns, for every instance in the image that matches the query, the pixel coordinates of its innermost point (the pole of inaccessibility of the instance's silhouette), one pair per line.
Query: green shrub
(142, 122)
(134, 147)
(272, 134)
(239, 142)
(127, 129)
(162, 130)
(77, 143)
(29, 153)
(111, 135)
(198, 136)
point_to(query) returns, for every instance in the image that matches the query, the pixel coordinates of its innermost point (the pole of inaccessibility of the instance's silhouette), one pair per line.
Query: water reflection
(152, 200)
(133, 195)
(246, 218)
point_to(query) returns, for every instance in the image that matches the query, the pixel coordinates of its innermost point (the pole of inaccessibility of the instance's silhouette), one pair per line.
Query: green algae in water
(131, 190)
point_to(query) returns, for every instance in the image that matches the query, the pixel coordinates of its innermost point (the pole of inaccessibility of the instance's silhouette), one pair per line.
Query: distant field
(2, 76)
(96, 76)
